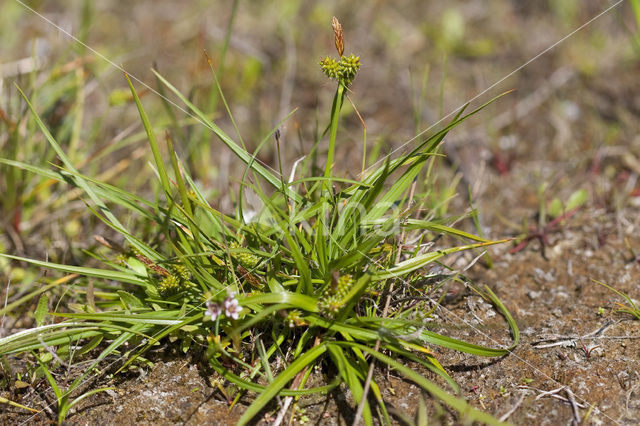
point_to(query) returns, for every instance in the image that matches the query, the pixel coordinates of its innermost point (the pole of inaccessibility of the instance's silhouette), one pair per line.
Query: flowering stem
(335, 115)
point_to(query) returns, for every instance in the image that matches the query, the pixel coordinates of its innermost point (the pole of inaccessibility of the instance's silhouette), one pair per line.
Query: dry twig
(513, 409)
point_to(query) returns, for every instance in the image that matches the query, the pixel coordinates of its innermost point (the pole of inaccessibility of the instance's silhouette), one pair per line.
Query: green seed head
(344, 71)
(330, 67)
(345, 282)
(330, 305)
(334, 298)
(349, 66)
(182, 271)
(170, 284)
(248, 260)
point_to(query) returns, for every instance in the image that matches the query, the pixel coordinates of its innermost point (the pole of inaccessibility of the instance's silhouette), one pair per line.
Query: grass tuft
(301, 280)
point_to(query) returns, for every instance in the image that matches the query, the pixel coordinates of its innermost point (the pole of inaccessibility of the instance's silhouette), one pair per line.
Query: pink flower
(214, 310)
(231, 306)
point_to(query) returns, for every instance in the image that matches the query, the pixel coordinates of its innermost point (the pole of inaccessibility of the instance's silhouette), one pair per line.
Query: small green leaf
(136, 266)
(90, 345)
(185, 344)
(417, 262)
(41, 310)
(275, 286)
(577, 199)
(555, 208)
(129, 301)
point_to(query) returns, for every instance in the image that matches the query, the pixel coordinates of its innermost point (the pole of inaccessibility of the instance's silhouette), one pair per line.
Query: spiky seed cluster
(344, 70)
(350, 66)
(170, 284)
(248, 260)
(182, 271)
(345, 282)
(173, 279)
(334, 298)
(330, 305)
(176, 281)
(330, 67)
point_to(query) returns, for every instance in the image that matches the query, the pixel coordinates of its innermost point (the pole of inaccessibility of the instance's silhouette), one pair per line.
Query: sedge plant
(631, 308)
(63, 396)
(301, 280)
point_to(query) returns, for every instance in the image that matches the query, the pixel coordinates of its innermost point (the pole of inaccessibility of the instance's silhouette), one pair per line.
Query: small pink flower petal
(231, 307)
(213, 310)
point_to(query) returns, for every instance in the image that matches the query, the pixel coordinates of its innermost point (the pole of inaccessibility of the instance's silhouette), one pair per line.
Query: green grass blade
(633, 309)
(417, 224)
(254, 387)
(4, 400)
(64, 333)
(352, 377)
(153, 142)
(125, 277)
(301, 301)
(304, 285)
(68, 406)
(160, 335)
(467, 412)
(230, 143)
(51, 380)
(393, 194)
(102, 189)
(122, 316)
(354, 256)
(487, 293)
(335, 116)
(420, 261)
(81, 182)
(16, 303)
(280, 381)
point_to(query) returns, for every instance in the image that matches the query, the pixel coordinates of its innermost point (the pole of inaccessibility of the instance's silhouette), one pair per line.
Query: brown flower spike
(337, 33)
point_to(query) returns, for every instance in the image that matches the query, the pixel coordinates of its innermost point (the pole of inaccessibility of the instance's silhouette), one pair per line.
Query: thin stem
(335, 115)
(277, 136)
